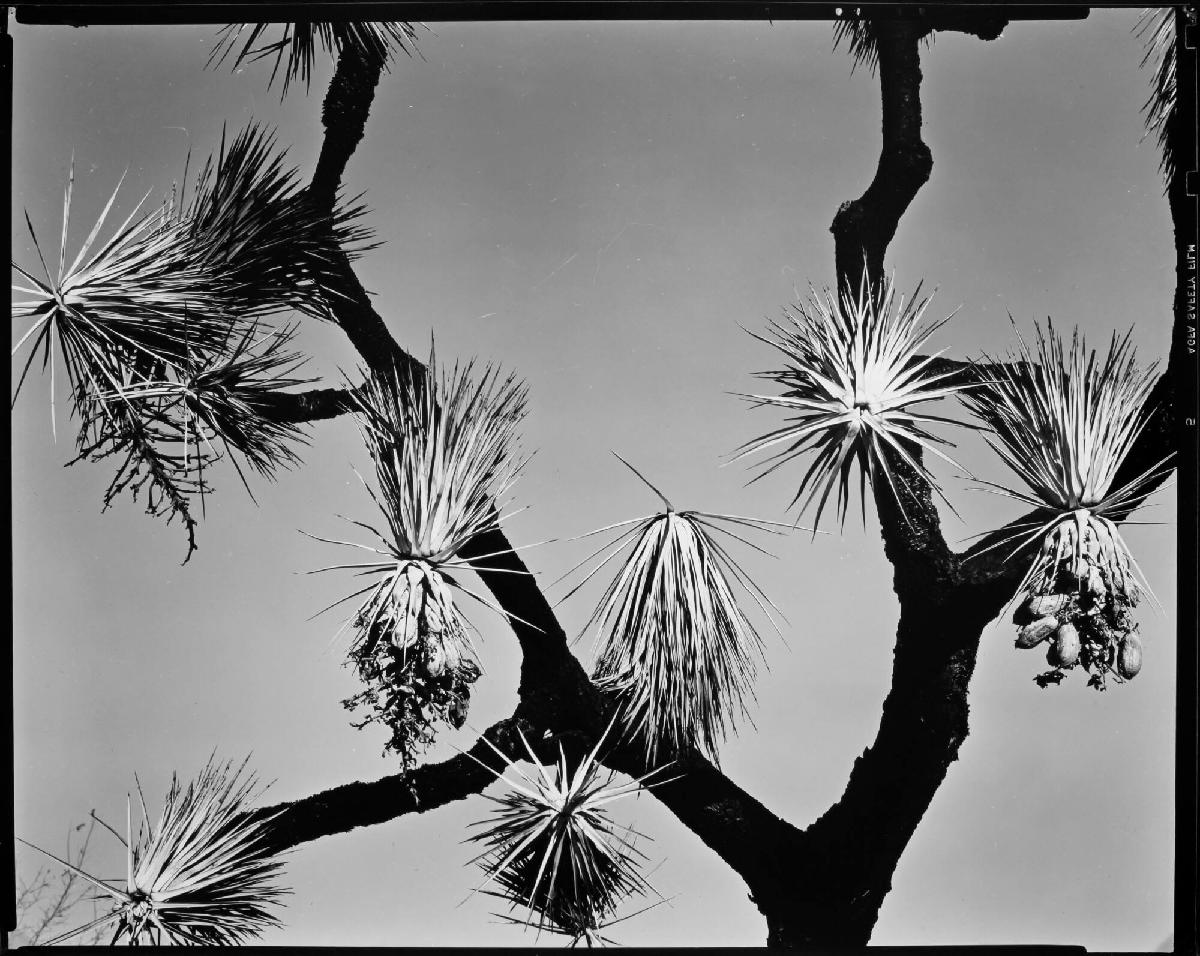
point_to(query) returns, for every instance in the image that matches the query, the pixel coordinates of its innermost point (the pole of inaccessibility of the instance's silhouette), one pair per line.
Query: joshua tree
(168, 330)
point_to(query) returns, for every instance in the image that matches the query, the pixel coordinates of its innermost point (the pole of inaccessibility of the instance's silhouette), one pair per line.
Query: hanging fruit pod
(1129, 656)
(435, 617)
(406, 607)
(1031, 635)
(453, 652)
(1042, 605)
(1080, 568)
(435, 658)
(1064, 652)
(457, 714)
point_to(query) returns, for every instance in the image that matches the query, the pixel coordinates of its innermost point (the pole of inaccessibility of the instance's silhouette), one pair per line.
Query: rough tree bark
(820, 886)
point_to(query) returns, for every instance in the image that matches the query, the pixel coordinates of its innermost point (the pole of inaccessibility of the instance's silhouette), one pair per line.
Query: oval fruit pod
(1031, 635)
(1064, 652)
(452, 651)
(1048, 605)
(408, 628)
(415, 572)
(1024, 612)
(435, 621)
(457, 714)
(435, 658)
(1129, 658)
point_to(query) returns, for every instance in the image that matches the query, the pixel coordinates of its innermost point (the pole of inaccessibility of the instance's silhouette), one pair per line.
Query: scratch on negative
(561, 265)
(606, 247)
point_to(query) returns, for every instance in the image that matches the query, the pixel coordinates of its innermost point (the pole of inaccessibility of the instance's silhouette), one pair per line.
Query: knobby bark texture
(863, 227)
(846, 859)
(820, 886)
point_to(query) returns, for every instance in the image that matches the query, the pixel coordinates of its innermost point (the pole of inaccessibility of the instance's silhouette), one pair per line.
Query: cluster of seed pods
(414, 658)
(415, 613)
(1086, 620)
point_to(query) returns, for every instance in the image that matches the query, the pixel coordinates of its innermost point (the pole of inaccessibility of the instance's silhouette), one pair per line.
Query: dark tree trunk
(820, 887)
(863, 227)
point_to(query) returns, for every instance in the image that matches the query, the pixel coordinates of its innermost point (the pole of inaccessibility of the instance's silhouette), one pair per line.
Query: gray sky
(600, 207)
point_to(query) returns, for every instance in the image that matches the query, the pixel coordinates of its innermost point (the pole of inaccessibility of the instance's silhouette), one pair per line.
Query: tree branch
(846, 859)
(555, 691)
(344, 116)
(984, 24)
(312, 405)
(822, 886)
(425, 788)
(754, 842)
(863, 227)
(862, 230)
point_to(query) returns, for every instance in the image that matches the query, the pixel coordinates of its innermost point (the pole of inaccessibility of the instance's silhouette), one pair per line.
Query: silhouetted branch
(822, 886)
(354, 805)
(555, 692)
(845, 860)
(313, 405)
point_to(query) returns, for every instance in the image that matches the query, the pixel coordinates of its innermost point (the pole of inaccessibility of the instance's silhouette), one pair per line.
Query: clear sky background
(600, 206)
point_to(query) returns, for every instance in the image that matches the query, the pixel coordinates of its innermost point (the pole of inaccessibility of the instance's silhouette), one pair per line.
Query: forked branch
(822, 886)
(555, 692)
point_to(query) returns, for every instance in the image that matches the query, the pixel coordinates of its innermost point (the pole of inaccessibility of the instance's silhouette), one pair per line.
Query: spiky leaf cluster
(205, 875)
(372, 42)
(853, 373)
(444, 446)
(857, 30)
(674, 644)
(1156, 29)
(252, 222)
(169, 429)
(858, 34)
(158, 327)
(1064, 419)
(552, 848)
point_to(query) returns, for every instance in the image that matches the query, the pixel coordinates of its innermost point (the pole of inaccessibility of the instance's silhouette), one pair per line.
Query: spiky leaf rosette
(186, 412)
(373, 42)
(120, 309)
(444, 447)
(157, 326)
(1156, 29)
(171, 283)
(1064, 419)
(851, 379)
(673, 642)
(231, 394)
(124, 312)
(445, 450)
(203, 876)
(858, 32)
(552, 848)
(862, 43)
(168, 427)
(257, 233)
